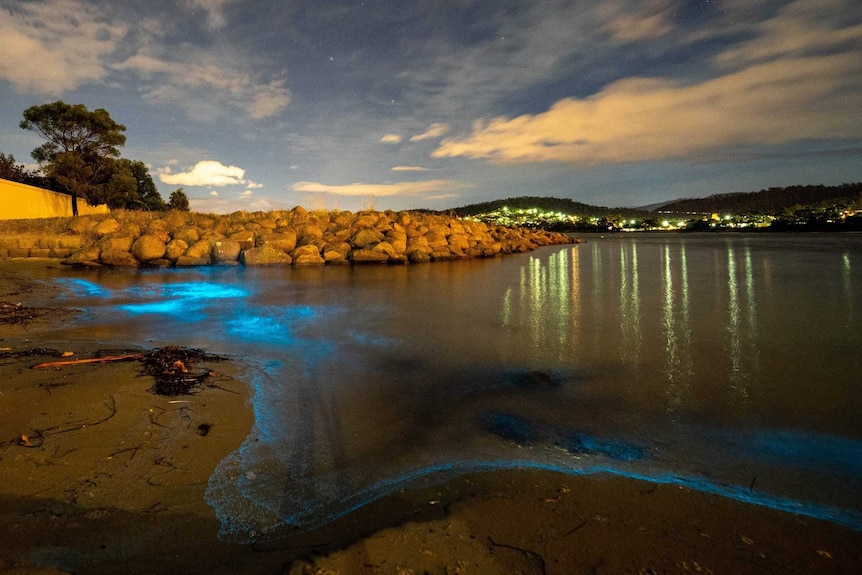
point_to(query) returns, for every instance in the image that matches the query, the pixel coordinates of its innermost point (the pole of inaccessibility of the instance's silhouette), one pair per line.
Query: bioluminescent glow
(626, 357)
(76, 287)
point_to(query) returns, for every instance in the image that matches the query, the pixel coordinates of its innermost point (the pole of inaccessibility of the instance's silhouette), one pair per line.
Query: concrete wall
(23, 202)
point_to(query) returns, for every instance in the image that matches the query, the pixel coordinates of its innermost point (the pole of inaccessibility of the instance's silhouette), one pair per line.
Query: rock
(307, 233)
(186, 260)
(176, 219)
(341, 248)
(398, 240)
(334, 257)
(386, 248)
(436, 240)
(366, 237)
(147, 248)
(175, 249)
(419, 256)
(105, 227)
(307, 255)
(284, 240)
(199, 249)
(368, 256)
(118, 258)
(245, 238)
(267, 223)
(159, 229)
(118, 241)
(264, 256)
(81, 225)
(131, 229)
(225, 251)
(458, 243)
(189, 234)
(84, 256)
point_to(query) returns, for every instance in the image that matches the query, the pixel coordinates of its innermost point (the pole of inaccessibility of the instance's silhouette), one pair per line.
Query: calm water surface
(726, 363)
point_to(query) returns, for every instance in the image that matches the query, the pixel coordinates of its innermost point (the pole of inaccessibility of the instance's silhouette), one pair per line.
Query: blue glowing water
(727, 364)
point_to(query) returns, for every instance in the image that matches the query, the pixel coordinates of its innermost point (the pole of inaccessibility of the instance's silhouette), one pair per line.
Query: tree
(81, 148)
(131, 187)
(14, 172)
(179, 200)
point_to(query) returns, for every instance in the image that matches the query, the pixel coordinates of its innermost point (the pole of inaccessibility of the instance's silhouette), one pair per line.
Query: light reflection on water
(704, 361)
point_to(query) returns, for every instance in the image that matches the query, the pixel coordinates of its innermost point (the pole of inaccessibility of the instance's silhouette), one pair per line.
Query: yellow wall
(23, 202)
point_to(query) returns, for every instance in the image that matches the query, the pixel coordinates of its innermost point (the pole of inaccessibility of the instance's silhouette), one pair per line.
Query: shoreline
(118, 485)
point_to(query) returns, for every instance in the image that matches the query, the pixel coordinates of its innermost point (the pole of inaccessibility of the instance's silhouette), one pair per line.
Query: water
(725, 363)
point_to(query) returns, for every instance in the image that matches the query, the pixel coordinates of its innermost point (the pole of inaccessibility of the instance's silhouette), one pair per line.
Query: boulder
(366, 237)
(84, 256)
(186, 260)
(199, 249)
(419, 256)
(81, 225)
(458, 243)
(334, 257)
(436, 240)
(118, 241)
(342, 248)
(177, 219)
(244, 237)
(175, 249)
(105, 227)
(368, 256)
(189, 234)
(147, 248)
(159, 229)
(307, 255)
(264, 256)
(225, 251)
(386, 248)
(118, 258)
(284, 240)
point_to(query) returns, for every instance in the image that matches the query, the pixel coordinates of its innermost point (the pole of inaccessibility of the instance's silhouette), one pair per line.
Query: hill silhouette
(770, 201)
(547, 204)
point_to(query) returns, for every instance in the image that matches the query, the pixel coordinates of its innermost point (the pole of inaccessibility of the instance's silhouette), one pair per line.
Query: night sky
(398, 104)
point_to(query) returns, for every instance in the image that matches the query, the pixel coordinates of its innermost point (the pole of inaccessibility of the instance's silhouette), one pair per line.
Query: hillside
(770, 201)
(561, 205)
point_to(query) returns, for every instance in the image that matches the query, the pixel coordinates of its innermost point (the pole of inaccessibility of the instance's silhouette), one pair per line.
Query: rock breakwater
(295, 237)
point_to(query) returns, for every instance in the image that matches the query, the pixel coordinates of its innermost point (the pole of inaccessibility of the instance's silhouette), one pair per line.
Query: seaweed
(174, 369)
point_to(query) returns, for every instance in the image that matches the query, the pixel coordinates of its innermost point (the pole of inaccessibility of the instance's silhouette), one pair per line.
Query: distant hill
(771, 201)
(546, 204)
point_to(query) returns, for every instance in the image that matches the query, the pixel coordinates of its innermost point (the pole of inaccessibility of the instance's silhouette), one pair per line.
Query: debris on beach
(172, 367)
(15, 313)
(174, 371)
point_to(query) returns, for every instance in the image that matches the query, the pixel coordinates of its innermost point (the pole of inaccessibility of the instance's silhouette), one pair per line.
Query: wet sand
(111, 478)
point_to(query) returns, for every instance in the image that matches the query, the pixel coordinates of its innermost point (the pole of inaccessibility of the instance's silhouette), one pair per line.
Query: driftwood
(106, 359)
(172, 367)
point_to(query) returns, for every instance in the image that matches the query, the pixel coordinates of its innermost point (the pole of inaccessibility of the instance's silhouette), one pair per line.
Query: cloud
(631, 22)
(433, 131)
(391, 139)
(785, 85)
(216, 19)
(409, 169)
(389, 189)
(803, 27)
(178, 81)
(204, 173)
(54, 46)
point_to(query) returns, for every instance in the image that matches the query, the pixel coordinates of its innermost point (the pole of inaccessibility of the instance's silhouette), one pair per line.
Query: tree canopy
(81, 156)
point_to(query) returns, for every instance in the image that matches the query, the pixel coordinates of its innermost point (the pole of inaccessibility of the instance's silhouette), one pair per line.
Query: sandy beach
(100, 475)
